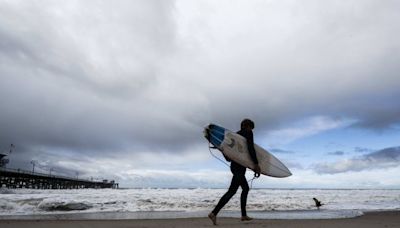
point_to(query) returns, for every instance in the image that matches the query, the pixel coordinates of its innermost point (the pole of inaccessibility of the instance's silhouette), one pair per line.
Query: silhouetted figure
(317, 203)
(239, 172)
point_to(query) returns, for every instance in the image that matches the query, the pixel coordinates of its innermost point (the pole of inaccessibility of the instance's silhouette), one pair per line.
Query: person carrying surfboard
(239, 178)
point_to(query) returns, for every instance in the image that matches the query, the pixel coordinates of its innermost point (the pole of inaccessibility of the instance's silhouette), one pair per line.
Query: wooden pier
(16, 178)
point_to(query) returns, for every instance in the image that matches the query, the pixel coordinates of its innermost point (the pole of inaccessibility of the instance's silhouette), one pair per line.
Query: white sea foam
(264, 203)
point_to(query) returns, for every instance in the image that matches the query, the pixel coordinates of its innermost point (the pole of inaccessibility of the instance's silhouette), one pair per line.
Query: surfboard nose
(288, 171)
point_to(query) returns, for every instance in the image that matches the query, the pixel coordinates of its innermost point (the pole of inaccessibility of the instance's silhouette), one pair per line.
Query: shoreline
(368, 220)
(291, 214)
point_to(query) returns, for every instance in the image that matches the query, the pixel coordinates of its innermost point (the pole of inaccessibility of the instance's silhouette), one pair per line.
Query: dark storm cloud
(385, 158)
(333, 66)
(63, 85)
(104, 79)
(380, 120)
(385, 155)
(46, 159)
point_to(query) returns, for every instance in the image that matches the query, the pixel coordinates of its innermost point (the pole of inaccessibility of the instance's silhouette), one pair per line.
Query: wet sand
(369, 220)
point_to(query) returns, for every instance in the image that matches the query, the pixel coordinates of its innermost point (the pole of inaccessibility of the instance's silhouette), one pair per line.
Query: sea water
(181, 203)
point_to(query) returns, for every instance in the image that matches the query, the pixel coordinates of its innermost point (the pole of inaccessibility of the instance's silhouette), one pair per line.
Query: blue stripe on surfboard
(217, 128)
(216, 140)
(219, 134)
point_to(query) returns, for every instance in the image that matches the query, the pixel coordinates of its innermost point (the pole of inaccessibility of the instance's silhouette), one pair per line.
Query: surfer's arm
(226, 158)
(250, 147)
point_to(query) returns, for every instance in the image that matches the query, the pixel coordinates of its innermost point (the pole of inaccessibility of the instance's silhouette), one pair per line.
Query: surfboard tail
(206, 132)
(214, 134)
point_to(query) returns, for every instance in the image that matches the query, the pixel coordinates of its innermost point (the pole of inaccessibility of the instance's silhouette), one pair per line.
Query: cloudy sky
(122, 89)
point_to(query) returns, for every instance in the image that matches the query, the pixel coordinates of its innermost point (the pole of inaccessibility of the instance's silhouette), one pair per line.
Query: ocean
(181, 203)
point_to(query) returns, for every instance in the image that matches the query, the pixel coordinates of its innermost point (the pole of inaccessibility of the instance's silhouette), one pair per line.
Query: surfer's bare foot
(213, 218)
(246, 218)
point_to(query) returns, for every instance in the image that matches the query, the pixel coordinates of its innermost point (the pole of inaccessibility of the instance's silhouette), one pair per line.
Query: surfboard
(234, 146)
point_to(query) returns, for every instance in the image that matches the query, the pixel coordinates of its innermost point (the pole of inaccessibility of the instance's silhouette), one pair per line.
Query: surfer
(239, 178)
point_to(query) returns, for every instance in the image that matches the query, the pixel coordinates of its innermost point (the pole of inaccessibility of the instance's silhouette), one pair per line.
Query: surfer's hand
(226, 158)
(257, 170)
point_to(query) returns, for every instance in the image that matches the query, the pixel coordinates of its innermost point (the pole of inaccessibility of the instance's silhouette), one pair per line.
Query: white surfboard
(234, 146)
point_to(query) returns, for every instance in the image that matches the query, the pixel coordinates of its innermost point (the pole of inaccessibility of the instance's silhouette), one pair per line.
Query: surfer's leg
(243, 196)
(213, 218)
(228, 195)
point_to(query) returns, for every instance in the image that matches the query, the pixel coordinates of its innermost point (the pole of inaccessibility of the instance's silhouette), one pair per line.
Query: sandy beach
(369, 220)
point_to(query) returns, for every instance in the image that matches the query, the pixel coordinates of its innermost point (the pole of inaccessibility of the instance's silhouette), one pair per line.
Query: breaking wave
(297, 202)
(64, 206)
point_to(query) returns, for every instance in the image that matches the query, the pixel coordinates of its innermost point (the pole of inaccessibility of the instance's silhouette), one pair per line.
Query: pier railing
(18, 178)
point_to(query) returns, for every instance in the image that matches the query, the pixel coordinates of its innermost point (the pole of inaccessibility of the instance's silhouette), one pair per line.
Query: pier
(17, 178)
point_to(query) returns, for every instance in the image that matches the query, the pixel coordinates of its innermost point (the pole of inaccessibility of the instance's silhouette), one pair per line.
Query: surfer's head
(247, 124)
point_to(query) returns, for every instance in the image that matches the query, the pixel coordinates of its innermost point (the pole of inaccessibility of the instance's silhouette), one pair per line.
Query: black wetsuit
(239, 178)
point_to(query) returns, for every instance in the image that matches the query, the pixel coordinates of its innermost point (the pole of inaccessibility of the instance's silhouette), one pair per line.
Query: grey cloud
(378, 120)
(56, 93)
(277, 150)
(362, 149)
(294, 165)
(46, 159)
(337, 153)
(347, 88)
(385, 158)
(386, 155)
(107, 55)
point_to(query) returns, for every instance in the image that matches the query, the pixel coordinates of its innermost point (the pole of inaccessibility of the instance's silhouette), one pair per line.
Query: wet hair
(247, 123)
